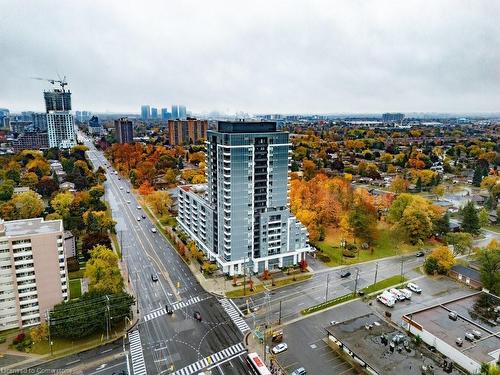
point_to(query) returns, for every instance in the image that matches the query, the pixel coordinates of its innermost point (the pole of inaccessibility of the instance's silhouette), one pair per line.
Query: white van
(386, 300)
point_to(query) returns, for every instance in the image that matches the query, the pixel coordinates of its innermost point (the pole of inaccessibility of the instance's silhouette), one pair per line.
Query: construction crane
(62, 82)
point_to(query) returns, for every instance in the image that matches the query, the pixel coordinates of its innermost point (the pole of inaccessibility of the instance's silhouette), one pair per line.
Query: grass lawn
(66, 346)
(385, 283)
(76, 274)
(385, 246)
(259, 288)
(75, 288)
(493, 228)
(116, 245)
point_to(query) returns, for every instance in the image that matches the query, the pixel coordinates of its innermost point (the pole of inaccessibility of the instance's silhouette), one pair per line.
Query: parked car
(469, 336)
(453, 315)
(389, 296)
(300, 371)
(154, 277)
(459, 341)
(345, 274)
(406, 292)
(399, 296)
(197, 316)
(414, 288)
(280, 348)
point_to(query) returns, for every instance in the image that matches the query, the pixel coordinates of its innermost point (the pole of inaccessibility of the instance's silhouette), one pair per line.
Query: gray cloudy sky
(255, 56)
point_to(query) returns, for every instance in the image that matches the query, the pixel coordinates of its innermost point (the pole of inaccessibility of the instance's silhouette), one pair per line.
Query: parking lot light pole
(376, 272)
(327, 282)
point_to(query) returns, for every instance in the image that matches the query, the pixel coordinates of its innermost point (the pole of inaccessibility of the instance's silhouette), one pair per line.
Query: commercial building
(145, 112)
(241, 217)
(175, 112)
(95, 128)
(165, 115)
(393, 117)
(182, 112)
(154, 113)
(31, 141)
(479, 333)
(378, 348)
(124, 130)
(183, 132)
(61, 129)
(33, 272)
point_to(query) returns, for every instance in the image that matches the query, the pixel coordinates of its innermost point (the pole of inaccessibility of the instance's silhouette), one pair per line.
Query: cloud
(259, 56)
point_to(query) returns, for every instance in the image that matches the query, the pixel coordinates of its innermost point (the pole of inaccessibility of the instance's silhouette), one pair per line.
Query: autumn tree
(39, 333)
(160, 202)
(103, 272)
(439, 261)
(62, 203)
(399, 185)
(146, 188)
(6, 189)
(309, 168)
(47, 186)
(29, 179)
(27, 205)
(362, 216)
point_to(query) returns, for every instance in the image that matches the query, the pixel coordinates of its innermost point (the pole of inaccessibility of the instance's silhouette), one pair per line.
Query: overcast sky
(254, 56)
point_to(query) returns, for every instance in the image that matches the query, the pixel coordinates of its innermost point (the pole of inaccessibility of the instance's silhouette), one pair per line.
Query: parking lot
(306, 345)
(434, 291)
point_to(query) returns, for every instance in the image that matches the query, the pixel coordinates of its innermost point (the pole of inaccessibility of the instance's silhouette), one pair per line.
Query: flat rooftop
(367, 345)
(31, 227)
(246, 126)
(435, 320)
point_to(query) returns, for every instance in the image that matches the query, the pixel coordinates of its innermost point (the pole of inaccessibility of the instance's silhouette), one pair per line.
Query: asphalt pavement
(169, 342)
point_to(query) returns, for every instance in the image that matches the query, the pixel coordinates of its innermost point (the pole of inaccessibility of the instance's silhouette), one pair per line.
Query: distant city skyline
(306, 57)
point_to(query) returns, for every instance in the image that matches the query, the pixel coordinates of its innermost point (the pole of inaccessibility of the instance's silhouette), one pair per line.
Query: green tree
(442, 225)
(489, 260)
(6, 190)
(470, 219)
(76, 319)
(462, 242)
(103, 272)
(27, 205)
(484, 217)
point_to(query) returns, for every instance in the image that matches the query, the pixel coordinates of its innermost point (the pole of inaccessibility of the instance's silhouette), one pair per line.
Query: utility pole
(327, 282)
(244, 275)
(376, 272)
(402, 262)
(48, 326)
(356, 281)
(121, 245)
(107, 313)
(279, 318)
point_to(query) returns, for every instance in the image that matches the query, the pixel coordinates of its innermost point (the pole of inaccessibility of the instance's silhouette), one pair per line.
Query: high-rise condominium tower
(241, 217)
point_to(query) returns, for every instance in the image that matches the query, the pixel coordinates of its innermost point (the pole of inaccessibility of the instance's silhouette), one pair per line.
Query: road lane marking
(234, 315)
(138, 364)
(223, 356)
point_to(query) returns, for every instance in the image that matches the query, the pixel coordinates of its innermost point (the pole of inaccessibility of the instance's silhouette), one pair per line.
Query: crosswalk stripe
(174, 306)
(211, 360)
(234, 315)
(137, 357)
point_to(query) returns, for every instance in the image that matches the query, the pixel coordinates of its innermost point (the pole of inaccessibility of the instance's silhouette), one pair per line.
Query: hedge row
(327, 304)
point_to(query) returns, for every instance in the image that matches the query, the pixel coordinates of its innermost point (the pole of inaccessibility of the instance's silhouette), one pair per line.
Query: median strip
(382, 284)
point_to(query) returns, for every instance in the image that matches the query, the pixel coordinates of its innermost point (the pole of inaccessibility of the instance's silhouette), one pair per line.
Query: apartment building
(183, 132)
(124, 130)
(33, 272)
(241, 218)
